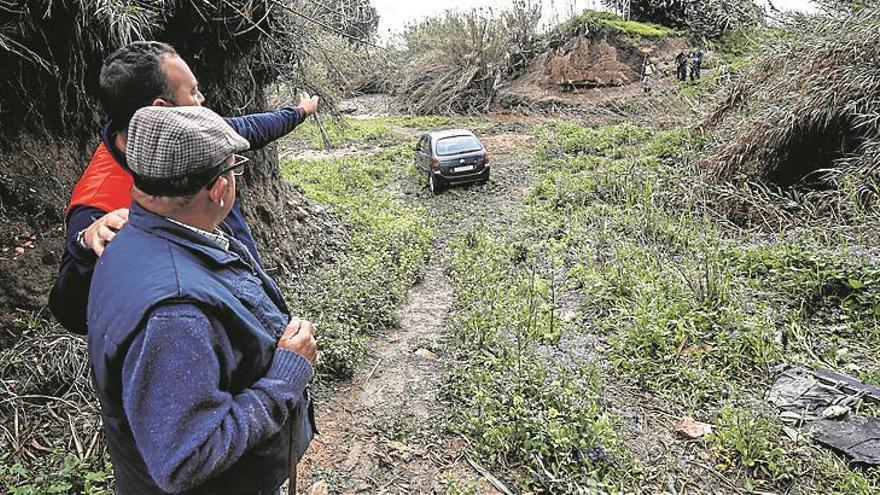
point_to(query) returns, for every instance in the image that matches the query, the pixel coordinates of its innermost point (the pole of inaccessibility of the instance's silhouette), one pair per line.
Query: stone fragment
(691, 429)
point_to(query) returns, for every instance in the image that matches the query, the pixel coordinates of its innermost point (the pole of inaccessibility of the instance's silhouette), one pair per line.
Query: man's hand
(103, 230)
(298, 338)
(309, 104)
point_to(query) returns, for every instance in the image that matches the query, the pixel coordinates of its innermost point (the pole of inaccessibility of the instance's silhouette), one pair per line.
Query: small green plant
(427, 122)
(517, 408)
(455, 486)
(57, 473)
(341, 132)
(744, 439)
(574, 139)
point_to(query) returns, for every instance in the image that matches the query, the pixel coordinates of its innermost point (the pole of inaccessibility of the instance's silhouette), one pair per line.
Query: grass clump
(386, 254)
(692, 310)
(830, 302)
(591, 21)
(750, 441)
(424, 122)
(521, 410)
(573, 139)
(686, 334)
(664, 292)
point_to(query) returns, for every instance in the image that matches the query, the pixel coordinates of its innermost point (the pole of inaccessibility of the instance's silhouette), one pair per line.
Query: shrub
(707, 18)
(455, 62)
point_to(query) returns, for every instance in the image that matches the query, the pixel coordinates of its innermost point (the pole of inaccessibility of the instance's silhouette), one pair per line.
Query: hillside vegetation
(801, 124)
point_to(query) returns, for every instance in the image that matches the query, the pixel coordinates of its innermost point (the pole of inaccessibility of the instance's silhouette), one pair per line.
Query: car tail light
(485, 158)
(435, 164)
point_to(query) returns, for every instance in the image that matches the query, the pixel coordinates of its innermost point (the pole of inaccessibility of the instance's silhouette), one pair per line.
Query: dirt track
(373, 429)
(384, 430)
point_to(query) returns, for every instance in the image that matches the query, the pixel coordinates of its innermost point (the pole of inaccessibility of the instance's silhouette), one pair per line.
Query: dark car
(451, 157)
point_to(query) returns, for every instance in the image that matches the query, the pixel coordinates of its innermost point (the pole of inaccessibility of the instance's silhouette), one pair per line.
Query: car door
(422, 156)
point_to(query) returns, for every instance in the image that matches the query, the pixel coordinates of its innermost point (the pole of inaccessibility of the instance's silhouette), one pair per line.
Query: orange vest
(104, 185)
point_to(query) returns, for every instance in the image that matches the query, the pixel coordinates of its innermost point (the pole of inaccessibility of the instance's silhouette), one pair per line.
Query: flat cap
(174, 142)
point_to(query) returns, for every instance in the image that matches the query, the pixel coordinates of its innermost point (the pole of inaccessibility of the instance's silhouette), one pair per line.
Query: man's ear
(161, 102)
(218, 189)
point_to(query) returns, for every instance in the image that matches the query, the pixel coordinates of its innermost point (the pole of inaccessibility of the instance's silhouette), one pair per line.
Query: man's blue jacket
(195, 396)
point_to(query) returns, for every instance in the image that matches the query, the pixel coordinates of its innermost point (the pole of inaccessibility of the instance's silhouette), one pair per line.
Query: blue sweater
(69, 295)
(195, 396)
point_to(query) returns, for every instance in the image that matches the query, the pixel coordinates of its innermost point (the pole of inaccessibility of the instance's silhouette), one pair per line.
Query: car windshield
(457, 144)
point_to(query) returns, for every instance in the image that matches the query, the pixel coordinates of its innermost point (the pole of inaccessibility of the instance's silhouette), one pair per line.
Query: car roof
(445, 133)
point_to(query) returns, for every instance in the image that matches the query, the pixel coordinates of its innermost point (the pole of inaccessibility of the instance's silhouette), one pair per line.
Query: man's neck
(120, 141)
(164, 207)
(196, 221)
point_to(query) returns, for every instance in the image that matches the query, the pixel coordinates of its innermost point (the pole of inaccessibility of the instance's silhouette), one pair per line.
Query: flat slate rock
(858, 438)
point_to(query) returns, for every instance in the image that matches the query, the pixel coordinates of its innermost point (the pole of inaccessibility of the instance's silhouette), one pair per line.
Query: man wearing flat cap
(200, 371)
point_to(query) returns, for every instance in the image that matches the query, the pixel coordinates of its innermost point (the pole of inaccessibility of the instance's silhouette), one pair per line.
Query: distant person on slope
(696, 64)
(681, 66)
(137, 75)
(201, 373)
(648, 76)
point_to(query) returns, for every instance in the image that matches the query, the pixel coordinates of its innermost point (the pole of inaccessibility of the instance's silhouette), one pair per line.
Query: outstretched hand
(104, 229)
(309, 104)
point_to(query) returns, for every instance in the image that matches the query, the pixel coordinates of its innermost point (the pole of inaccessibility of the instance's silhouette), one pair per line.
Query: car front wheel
(434, 185)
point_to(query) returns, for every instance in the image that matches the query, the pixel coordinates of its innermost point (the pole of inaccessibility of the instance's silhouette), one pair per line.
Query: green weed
(695, 312)
(573, 139)
(386, 254)
(57, 473)
(834, 477)
(342, 132)
(425, 122)
(454, 486)
(744, 439)
(519, 409)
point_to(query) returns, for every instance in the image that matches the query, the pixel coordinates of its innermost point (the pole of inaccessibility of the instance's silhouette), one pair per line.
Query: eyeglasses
(238, 162)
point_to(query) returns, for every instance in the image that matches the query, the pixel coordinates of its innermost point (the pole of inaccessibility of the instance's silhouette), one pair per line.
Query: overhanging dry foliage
(805, 119)
(456, 61)
(51, 51)
(342, 68)
(709, 18)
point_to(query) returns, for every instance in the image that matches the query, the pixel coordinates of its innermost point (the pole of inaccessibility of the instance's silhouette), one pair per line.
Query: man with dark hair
(130, 77)
(201, 373)
(681, 66)
(140, 74)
